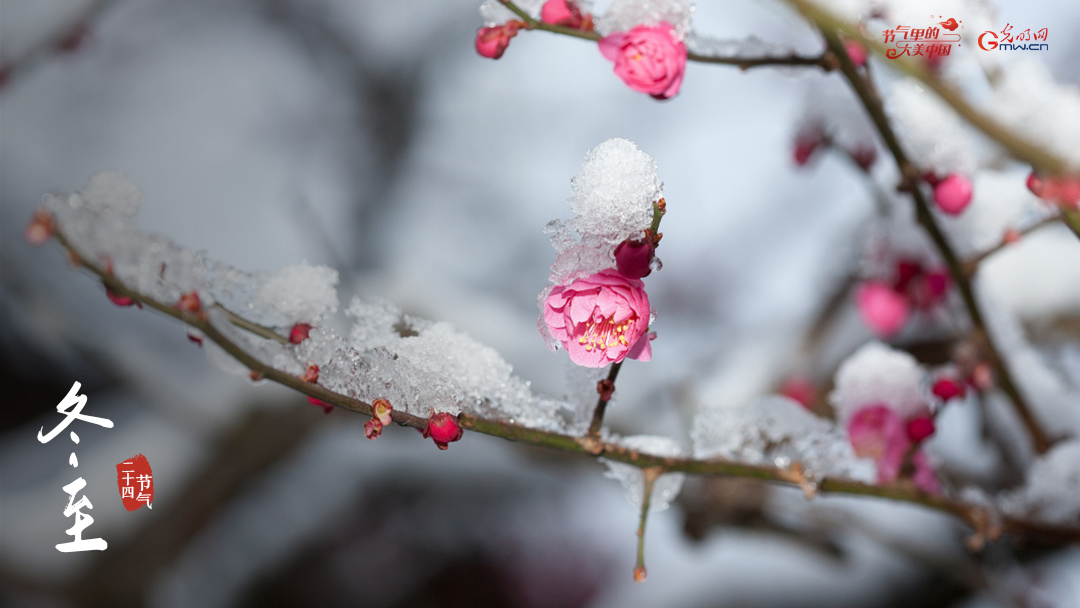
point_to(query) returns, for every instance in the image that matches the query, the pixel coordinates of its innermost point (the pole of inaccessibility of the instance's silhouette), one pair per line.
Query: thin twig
(976, 516)
(823, 61)
(601, 403)
(649, 477)
(909, 174)
(971, 265)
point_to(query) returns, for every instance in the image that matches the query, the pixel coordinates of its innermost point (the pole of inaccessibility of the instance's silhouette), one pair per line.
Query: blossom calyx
(600, 319)
(491, 42)
(311, 374)
(327, 408)
(648, 59)
(443, 429)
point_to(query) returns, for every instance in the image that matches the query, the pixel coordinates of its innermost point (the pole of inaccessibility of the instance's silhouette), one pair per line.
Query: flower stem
(601, 403)
(650, 475)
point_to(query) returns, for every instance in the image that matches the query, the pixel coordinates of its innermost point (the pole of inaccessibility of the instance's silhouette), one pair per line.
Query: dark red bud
(299, 333)
(947, 388)
(372, 429)
(606, 388)
(633, 257)
(920, 428)
(443, 429)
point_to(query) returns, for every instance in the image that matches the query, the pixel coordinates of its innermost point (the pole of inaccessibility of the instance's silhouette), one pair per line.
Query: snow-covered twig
(825, 60)
(988, 524)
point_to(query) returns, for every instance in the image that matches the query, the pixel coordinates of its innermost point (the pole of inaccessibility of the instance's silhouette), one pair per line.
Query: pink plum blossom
(491, 42)
(953, 194)
(648, 59)
(600, 319)
(880, 307)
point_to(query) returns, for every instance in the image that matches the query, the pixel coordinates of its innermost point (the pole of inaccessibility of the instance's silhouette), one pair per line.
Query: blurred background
(369, 136)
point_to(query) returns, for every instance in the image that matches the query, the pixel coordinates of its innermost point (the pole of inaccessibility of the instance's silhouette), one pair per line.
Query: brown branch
(970, 266)
(983, 520)
(909, 173)
(1019, 146)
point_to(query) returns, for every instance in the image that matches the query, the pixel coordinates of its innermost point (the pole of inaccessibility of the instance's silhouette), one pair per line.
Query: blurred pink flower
(491, 42)
(856, 52)
(953, 194)
(1063, 191)
(878, 432)
(648, 59)
(600, 319)
(884, 310)
(565, 13)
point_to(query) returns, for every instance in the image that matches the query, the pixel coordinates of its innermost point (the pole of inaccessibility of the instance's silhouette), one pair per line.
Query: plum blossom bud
(327, 408)
(41, 228)
(189, 302)
(381, 410)
(982, 376)
(443, 429)
(566, 13)
(633, 257)
(311, 374)
(372, 429)
(1011, 236)
(807, 142)
(648, 59)
(606, 388)
(864, 156)
(953, 194)
(194, 336)
(881, 308)
(856, 52)
(299, 333)
(920, 428)
(118, 299)
(947, 388)
(491, 42)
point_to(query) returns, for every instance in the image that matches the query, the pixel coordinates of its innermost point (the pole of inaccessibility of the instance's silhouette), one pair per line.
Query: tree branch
(823, 61)
(987, 524)
(909, 173)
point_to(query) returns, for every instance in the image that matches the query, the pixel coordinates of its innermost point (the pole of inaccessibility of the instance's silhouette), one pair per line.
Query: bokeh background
(369, 136)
